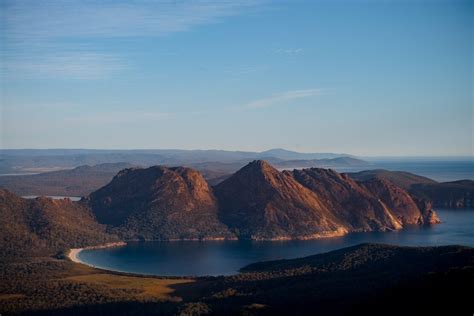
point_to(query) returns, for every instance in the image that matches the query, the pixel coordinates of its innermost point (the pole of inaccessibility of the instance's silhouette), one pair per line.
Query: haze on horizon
(366, 78)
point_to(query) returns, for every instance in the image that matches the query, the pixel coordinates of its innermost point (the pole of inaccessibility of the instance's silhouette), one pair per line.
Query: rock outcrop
(351, 202)
(159, 203)
(260, 202)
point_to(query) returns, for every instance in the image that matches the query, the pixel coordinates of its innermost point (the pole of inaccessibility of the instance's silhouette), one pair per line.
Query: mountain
(364, 206)
(400, 178)
(79, 181)
(44, 226)
(259, 202)
(455, 194)
(293, 155)
(407, 209)
(256, 202)
(158, 203)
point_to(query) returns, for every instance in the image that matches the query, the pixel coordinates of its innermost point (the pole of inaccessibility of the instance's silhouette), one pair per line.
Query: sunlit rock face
(259, 202)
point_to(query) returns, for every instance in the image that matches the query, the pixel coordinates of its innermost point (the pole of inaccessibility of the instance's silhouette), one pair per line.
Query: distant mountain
(293, 155)
(79, 181)
(31, 160)
(158, 203)
(42, 226)
(322, 163)
(456, 194)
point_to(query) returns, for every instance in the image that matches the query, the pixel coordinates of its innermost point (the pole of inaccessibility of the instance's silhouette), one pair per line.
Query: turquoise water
(226, 257)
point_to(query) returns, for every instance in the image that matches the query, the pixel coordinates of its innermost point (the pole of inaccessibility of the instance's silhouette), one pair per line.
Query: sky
(366, 78)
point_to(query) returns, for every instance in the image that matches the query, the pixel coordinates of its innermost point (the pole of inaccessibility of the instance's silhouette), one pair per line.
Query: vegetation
(35, 227)
(365, 278)
(400, 178)
(455, 194)
(79, 181)
(368, 278)
(49, 284)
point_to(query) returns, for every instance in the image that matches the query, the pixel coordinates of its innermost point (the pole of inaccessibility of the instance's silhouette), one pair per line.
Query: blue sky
(361, 77)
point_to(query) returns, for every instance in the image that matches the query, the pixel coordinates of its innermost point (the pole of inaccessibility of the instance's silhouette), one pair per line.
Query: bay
(201, 258)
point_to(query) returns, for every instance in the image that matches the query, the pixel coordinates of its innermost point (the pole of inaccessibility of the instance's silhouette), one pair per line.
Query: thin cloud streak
(65, 65)
(291, 51)
(120, 117)
(283, 97)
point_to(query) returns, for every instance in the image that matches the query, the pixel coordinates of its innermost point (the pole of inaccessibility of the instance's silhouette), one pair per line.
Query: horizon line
(250, 151)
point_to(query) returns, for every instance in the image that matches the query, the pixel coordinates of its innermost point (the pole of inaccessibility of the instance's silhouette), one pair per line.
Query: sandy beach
(73, 254)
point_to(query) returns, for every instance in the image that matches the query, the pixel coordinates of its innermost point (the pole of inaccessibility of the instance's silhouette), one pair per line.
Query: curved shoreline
(73, 253)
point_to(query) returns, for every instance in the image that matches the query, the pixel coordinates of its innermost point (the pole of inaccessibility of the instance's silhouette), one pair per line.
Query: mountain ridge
(257, 202)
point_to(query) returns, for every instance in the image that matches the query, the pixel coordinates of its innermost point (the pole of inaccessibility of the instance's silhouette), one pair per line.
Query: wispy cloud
(64, 65)
(73, 18)
(290, 51)
(58, 38)
(282, 97)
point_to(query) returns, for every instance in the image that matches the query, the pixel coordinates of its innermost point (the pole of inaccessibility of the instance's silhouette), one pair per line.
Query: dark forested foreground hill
(43, 226)
(361, 280)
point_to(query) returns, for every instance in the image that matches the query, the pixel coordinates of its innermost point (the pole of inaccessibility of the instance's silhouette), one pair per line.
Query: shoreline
(73, 253)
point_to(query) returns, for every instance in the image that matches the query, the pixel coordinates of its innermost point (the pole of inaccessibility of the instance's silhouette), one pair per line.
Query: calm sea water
(227, 257)
(54, 197)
